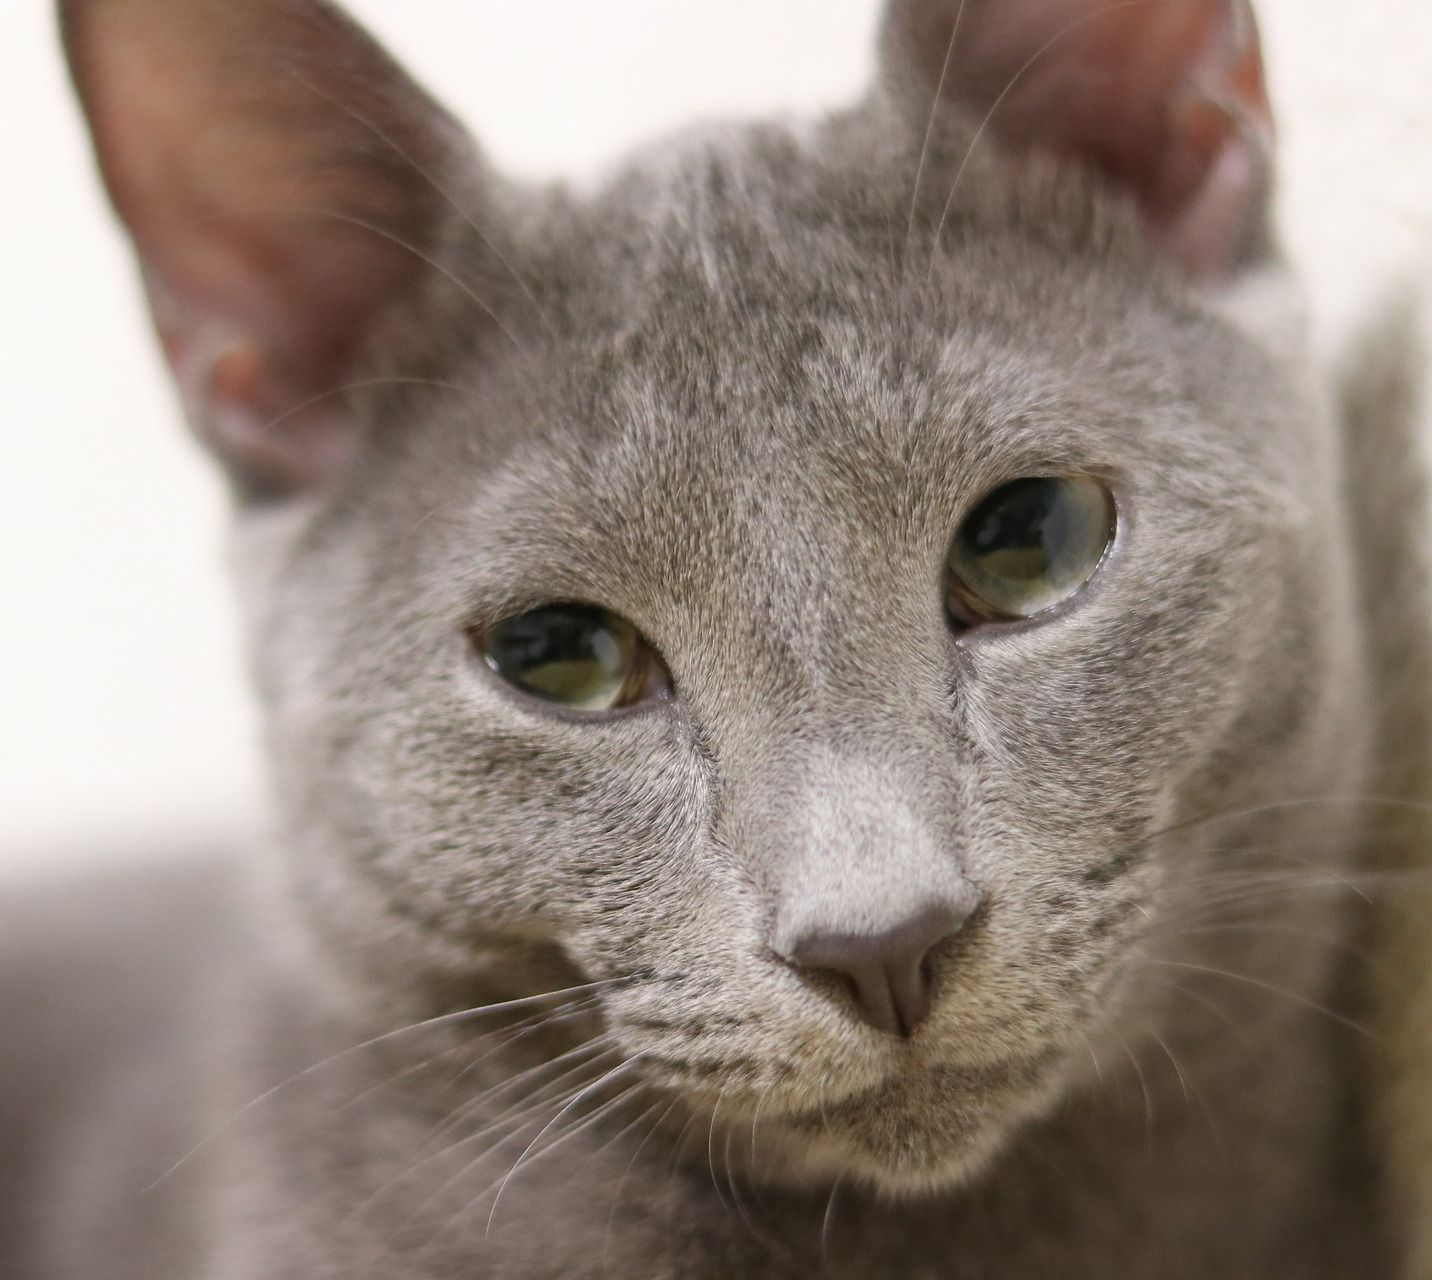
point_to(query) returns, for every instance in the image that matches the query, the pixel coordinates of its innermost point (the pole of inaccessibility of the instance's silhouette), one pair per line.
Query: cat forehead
(748, 336)
(759, 283)
(714, 338)
(769, 224)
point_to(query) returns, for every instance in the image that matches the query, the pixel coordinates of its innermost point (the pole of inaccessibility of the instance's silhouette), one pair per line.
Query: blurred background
(124, 724)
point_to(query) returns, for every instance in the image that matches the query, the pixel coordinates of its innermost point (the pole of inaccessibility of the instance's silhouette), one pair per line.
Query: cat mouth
(927, 1129)
(921, 1129)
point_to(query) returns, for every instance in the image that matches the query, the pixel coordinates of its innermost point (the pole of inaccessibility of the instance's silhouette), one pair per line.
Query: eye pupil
(1028, 545)
(1013, 519)
(578, 656)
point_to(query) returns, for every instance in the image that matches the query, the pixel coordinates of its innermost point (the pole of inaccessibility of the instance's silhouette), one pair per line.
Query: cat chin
(801, 1161)
(929, 1132)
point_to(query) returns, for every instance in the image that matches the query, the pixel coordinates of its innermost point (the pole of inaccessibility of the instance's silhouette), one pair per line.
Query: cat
(823, 698)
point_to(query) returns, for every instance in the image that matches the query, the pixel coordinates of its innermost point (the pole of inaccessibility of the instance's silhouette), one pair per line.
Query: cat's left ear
(283, 182)
(1163, 99)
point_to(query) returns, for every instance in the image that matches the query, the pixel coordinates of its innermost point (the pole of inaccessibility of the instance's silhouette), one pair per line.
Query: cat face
(763, 471)
(865, 876)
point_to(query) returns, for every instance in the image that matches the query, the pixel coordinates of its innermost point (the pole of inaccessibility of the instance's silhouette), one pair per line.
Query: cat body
(520, 989)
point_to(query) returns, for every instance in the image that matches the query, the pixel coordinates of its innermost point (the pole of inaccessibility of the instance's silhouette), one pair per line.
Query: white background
(123, 722)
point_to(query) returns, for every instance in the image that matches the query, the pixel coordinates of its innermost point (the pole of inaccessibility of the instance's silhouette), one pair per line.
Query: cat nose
(889, 972)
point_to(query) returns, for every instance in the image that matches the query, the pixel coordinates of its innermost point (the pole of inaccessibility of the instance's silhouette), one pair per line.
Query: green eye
(1029, 545)
(575, 655)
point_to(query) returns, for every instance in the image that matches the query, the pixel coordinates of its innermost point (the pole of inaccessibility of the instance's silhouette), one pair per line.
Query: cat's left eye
(1028, 546)
(578, 656)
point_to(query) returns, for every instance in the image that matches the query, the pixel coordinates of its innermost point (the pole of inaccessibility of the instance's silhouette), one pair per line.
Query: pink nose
(888, 973)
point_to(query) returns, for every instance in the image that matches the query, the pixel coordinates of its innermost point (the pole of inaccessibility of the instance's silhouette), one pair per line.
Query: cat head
(802, 585)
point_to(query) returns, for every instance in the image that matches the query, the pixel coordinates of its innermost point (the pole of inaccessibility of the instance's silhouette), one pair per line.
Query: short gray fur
(729, 401)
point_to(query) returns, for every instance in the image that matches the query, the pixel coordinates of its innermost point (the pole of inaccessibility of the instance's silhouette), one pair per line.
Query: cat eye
(577, 656)
(1028, 546)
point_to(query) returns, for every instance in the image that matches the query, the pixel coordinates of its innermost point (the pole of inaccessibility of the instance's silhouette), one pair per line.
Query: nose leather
(888, 971)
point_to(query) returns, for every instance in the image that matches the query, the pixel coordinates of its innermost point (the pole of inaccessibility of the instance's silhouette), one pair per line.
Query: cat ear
(278, 175)
(1164, 98)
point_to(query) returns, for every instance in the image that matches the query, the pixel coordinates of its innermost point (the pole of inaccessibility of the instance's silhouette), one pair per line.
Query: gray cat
(821, 698)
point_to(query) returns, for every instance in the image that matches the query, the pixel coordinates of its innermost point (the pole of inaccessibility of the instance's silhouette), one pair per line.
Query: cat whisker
(396, 1077)
(455, 1018)
(678, 1147)
(1263, 928)
(1168, 1053)
(1369, 886)
(822, 1097)
(1191, 1092)
(1390, 803)
(507, 1129)
(773, 1244)
(595, 1116)
(756, 1117)
(1241, 877)
(1239, 897)
(1144, 1089)
(626, 1173)
(732, 1175)
(615, 1073)
(1214, 1008)
(1093, 1057)
(521, 1032)
(1257, 857)
(500, 1127)
(527, 1026)
(1210, 895)
(827, 1222)
(1267, 856)
(710, 1149)
(1270, 988)
(616, 1138)
(534, 1102)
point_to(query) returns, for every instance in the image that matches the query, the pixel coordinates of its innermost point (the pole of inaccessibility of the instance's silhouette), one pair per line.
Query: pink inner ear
(1166, 98)
(276, 434)
(260, 314)
(272, 166)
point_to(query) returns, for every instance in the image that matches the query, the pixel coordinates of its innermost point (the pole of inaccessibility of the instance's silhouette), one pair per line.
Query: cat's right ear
(283, 183)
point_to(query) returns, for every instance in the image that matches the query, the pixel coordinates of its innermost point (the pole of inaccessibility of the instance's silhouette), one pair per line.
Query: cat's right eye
(578, 656)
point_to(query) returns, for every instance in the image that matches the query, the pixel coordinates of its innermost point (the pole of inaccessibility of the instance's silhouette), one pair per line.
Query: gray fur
(728, 401)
